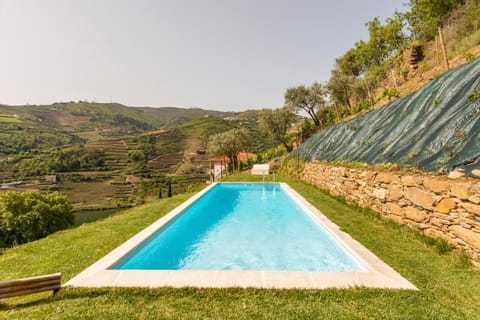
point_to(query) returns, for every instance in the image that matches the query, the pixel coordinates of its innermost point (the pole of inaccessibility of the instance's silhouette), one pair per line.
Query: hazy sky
(216, 54)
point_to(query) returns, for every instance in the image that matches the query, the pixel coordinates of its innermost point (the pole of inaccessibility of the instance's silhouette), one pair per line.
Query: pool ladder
(273, 177)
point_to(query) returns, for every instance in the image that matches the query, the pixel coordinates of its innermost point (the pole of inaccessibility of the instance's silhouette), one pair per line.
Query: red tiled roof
(242, 156)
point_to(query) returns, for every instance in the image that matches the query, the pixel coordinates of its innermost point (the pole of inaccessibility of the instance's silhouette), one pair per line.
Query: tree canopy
(31, 215)
(275, 124)
(307, 98)
(426, 16)
(229, 143)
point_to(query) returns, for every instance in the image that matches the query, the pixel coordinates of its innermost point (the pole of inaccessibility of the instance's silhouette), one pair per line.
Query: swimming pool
(243, 226)
(363, 269)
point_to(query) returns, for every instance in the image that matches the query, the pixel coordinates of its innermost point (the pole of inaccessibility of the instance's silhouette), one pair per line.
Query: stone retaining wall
(440, 207)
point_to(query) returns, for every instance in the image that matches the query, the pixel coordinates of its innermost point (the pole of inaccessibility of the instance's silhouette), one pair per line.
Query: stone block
(436, 222)
(436, 185)
(409, 181)
(456, 174)
(395, 218)
(445, 205)
(465, 225)
(394, 193)
(350, 184)
(475, 188)
(469, 236)
(387, 177)
(415, 214)
(460, 190)
(380, 193)
(475, 199)
(367, 175)
(471, 208)
(394, 208)
(339, 171)
(433, 233)
(419, 197)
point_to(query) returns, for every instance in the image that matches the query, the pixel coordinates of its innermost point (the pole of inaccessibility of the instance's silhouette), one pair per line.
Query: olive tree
(306, 98)
(275, 123)
(229, 144)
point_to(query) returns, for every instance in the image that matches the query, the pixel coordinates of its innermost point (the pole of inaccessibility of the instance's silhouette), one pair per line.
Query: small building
(220, 165)
(245, 156)
(52, 178)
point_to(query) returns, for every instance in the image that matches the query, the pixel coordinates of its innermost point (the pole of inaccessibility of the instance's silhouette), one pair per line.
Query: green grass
(82, 217)
(4, 118)
(448, 290)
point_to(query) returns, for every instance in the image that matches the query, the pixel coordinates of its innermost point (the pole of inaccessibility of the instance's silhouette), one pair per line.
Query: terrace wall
(436, 205)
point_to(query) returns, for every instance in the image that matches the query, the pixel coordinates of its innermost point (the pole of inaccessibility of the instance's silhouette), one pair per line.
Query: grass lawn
(448, 289)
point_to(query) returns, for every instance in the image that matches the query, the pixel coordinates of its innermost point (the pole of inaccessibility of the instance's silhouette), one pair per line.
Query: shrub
(468, 56)
(390, 93)
(136, 155)
(31, 215)
(474, 96)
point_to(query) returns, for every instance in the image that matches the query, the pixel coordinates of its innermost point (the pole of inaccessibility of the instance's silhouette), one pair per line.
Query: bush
(136, 155)
(474, 96)
(468, 56)
(31, 215)
(390, 93)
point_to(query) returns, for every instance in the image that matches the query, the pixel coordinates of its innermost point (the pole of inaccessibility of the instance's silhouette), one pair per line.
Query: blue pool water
(242, 227)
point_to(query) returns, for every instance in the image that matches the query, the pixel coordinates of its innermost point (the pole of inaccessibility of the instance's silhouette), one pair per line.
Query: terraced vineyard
(170, 146)
(115, 153)
(102, 157)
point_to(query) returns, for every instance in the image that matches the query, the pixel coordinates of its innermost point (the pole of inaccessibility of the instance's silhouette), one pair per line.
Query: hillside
(435, 128)
(110, 155)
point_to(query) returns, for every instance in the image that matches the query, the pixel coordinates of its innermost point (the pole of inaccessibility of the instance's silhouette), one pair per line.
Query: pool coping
(380, 275)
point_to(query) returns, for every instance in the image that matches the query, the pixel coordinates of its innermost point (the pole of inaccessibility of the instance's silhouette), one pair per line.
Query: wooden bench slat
(13, 288)
(9, 283)
(29, 291)
(47, 283)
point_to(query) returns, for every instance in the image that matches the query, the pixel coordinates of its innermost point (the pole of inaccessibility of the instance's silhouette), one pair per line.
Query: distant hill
(434, 128)
(82, 116)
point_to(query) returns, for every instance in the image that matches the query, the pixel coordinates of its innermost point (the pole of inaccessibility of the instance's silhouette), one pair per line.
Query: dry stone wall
(436, 205)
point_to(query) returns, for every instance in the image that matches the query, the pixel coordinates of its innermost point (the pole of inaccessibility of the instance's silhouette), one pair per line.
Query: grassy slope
(447, 291)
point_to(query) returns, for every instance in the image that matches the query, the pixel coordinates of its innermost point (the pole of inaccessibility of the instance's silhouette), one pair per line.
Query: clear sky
(214, 54)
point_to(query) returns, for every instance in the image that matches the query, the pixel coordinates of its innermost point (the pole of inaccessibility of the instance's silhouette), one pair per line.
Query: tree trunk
(314, 118)
(337, 113)
(369, 93)
(394, 78)
(444, 50)
(286, 146)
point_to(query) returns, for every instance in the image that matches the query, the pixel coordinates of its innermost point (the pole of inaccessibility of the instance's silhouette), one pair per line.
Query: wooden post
(444, 50)
(437, 52)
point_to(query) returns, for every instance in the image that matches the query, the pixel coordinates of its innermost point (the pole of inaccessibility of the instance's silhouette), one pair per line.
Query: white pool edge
(380, 275)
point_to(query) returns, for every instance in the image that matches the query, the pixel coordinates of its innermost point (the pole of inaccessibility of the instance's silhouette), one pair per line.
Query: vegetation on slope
(399, 56)
(434, 128)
